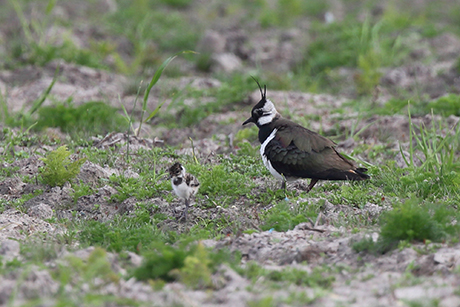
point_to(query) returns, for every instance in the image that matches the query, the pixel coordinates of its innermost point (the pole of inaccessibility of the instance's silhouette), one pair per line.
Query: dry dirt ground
(361, 280)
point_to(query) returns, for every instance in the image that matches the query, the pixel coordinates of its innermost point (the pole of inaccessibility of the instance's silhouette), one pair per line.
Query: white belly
(267, 163)
(183, 190)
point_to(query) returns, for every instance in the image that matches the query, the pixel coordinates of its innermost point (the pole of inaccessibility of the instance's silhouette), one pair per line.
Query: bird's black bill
(249, 120)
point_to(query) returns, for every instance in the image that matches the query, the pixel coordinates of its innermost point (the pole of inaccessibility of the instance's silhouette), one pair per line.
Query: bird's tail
(335, 174)
(360, 171)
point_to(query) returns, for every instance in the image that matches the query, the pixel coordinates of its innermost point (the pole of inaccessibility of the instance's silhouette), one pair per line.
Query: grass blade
(154, 80)
(404, 156)
(411, 132)
(154, 112)
(158, 73)
(38, 102)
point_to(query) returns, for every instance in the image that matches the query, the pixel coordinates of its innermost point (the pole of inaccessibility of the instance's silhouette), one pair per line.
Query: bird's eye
(259, 112)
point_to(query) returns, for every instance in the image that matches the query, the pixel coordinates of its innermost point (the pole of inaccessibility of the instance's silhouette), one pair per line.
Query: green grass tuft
(221, 180)
(91, 118)
(191, 264)
(318, 278)
(59, 168)
(415, 220)
(412, 221)
(121, 234)
(446, 105)
(196, 272)
(159, 263)
(285, 215)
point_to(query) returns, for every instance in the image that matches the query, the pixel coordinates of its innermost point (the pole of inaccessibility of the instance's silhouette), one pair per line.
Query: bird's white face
(265, 114)
(182, 172)
(177, 170)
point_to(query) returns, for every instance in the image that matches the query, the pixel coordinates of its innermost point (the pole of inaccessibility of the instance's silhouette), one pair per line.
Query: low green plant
(190, 116)
(317, 278)
(90, 118)
(284, 216)
(249, 134)
(370, 57)
(351, 194)
(246, 161)
(439, 151)
(446, 105)
(177, 3)
(203, 62)
(59, 168)
(159, 263)
(235, 88)
(82, 190)
(132, 233)
(39, 48)
(67, 51)
(457, 64)
(97, 265)
(366, 244)
(106, 156)
(282, 221)
(92, 272)
(135, 21)
(196, 272)
(140, 188)
(320, 277)
(439, 173)
(414, 220)
(191, 264)
(369, 75)
(18, 203)
(284, 13)
(367, 45)
(263, 302)
(391, 107)
(12, 138)
(221, 180)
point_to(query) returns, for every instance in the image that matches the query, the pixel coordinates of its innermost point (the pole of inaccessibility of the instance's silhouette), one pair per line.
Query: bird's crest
(264, 93)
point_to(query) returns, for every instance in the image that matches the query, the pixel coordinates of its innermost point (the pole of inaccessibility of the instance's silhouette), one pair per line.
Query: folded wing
(299, 152)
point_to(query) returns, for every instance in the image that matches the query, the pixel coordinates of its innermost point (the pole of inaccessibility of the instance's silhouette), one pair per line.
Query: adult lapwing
(290, 151)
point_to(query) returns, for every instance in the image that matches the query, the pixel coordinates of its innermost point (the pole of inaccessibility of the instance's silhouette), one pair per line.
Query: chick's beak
(249, 120)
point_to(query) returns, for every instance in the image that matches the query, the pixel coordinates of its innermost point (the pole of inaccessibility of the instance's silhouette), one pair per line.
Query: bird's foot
(182, 217)
(184, 214)
(283, 187)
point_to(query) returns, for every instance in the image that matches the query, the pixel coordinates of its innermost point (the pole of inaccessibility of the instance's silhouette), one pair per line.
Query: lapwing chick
(184, 185)
(290, 151)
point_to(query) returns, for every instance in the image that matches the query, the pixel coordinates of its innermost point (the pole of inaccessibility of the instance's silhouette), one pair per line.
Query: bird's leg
(312, 184)
(283, 187)
(184, 215)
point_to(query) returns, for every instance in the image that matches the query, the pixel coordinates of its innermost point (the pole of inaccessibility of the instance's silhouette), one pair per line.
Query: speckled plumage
(184, 185)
